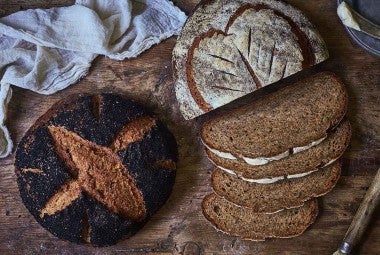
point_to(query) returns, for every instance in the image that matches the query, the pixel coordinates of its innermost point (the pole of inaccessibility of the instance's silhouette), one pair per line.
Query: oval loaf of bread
(228, 49)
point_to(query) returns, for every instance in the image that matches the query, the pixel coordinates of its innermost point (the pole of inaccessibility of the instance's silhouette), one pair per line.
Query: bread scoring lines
(86, 162)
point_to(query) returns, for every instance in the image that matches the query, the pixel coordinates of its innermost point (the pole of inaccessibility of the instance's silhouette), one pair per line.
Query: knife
(354, 20)
(362, 217)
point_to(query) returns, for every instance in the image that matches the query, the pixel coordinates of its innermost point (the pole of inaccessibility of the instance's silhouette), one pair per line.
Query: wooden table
(179, 226)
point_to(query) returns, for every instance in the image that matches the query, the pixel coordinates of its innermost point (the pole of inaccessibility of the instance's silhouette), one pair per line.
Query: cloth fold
(46, 50)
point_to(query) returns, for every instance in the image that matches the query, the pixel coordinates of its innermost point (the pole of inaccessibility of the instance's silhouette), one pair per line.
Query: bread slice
(270, 198)
(318, 156)
(247, 224)
(293, 117)
(228, 49)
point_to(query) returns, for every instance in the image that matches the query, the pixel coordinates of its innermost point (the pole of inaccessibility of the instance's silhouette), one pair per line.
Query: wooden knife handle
(363, 215)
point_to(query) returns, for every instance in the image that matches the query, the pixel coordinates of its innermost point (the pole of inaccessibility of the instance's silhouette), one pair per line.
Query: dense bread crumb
(247, 224)
(288, 118)
(272, 197)
(331, 148)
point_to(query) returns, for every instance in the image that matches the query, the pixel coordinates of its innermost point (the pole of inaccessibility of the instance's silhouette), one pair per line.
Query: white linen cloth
(46, 50)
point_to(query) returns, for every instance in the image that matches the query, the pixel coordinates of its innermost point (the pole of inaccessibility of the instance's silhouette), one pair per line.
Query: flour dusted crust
(95, 168)
(228, 49)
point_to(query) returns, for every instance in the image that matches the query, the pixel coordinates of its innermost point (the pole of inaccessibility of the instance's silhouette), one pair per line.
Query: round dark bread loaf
(95, 168)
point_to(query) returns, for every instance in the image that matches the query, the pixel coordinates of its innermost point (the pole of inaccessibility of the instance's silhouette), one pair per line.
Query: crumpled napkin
(46, 50)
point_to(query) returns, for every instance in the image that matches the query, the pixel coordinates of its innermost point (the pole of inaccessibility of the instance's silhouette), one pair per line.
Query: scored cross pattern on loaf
(228, 49)
(95, 168)
(259, 46)
(98, 171)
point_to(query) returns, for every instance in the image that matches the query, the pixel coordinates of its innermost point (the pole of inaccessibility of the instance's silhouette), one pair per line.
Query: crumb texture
(269, 198)
(308, 109)
(331, 148)
(243, 222)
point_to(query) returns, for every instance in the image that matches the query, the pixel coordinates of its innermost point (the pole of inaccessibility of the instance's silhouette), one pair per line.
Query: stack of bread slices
(273, 158)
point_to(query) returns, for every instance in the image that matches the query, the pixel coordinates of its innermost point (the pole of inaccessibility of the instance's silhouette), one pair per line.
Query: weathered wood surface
(179, 227)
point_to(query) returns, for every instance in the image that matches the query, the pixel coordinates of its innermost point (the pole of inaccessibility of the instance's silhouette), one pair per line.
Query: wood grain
(364, 213)
(179, 227)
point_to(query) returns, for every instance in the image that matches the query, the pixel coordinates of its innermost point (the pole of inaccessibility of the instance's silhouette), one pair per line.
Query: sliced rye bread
(247, 224)
(294, 116)
(241, 45)
(270, 198)
(318, 156)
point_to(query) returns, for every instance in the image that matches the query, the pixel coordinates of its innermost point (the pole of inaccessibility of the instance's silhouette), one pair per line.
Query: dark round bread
(94, 168)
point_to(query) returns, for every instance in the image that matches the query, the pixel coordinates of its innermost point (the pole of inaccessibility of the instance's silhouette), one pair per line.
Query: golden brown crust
(194, 91)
